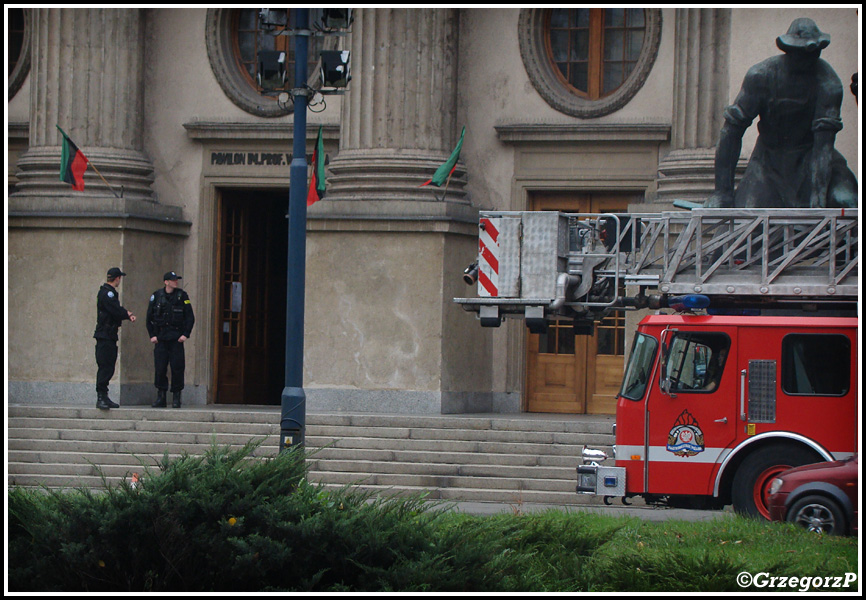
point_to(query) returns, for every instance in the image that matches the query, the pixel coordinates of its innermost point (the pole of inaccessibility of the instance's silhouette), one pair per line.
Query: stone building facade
(163, 102)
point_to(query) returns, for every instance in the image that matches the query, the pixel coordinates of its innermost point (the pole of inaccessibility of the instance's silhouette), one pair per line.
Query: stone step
(441, 469)
(183, 432)
(41, 450)
(473, 458)
(36, 451)
(453, 495)
(270, 415)
(570, 424)
(212, 413)
(504, 447)
(446, 457)
(445, 481)
(161, 425)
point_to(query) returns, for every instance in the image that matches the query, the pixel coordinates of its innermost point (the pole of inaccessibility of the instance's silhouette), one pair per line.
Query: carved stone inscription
(228, 158)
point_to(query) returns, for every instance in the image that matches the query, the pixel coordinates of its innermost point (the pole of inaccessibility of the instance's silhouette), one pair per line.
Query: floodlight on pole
(271, 72)
(335, 68)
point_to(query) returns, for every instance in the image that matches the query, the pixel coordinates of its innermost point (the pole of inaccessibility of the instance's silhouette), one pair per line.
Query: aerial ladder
(547, 265)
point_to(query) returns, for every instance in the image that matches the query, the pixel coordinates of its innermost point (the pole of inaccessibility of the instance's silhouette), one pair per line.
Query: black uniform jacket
(169, 316)
(109, 313)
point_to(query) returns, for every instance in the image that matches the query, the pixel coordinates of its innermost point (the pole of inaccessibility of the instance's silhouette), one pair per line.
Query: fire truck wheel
(751, 485)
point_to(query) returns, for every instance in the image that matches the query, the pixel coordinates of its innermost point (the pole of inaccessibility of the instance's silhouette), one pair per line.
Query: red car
(821, 497)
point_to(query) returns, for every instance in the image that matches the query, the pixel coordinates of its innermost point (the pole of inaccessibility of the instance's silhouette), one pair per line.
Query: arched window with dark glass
(595, 49)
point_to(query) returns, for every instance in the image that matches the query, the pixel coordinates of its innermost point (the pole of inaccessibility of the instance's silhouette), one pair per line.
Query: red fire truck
(718, 396)
(712, 408)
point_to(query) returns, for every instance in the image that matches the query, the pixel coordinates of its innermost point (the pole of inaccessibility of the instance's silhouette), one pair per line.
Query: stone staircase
(511, 459)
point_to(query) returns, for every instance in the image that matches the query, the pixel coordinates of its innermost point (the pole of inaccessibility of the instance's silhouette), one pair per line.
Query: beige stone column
(399, 119)
(87, 76)
(389, 254)
(701, 65)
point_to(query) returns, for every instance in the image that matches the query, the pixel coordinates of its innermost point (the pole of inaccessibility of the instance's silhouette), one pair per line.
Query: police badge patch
(111, 294)
(686, 437)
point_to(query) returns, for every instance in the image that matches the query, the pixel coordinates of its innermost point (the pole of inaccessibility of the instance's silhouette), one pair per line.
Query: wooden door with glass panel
(250, 348)
(568, 371)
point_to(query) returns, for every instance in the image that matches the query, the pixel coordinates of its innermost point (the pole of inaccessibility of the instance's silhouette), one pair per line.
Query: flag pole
(447, 181)
(90, 164)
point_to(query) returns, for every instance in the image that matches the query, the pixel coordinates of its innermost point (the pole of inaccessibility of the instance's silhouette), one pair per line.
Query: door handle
(722, 420)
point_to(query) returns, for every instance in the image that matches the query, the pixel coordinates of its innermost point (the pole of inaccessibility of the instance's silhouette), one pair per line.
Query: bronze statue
(798, 97)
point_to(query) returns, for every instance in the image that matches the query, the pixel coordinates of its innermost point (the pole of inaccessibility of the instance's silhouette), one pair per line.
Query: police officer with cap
(109, 316)
(169, 323)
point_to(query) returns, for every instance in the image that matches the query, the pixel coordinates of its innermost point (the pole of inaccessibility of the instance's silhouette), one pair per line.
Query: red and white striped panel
(488, 258)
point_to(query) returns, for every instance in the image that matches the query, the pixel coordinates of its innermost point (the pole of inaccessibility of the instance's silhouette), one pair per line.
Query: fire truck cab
(713, 407)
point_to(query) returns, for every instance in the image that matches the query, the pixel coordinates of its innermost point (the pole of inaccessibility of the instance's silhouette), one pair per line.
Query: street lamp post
(293, 416)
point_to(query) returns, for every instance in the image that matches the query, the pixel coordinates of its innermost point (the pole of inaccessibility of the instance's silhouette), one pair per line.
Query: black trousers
(106, 358)
(169, 353)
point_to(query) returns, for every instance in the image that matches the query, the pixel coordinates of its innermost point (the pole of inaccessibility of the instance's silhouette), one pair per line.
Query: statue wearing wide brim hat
(803, 34)
(797, 97)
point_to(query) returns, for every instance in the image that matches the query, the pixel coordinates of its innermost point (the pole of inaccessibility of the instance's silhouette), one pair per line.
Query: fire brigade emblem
(686, 437)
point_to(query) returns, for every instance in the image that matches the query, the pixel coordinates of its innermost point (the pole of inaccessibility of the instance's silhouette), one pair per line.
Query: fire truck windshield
(640, 363)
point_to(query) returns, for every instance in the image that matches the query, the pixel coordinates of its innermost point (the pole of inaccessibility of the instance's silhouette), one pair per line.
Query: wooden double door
(252, 234)
(569, 371)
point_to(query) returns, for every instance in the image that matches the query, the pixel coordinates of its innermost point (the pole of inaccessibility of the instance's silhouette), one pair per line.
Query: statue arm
(727, 155)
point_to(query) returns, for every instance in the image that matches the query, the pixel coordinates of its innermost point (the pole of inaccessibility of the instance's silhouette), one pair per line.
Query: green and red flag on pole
(73, 163)
(443, 173)
(317, 180)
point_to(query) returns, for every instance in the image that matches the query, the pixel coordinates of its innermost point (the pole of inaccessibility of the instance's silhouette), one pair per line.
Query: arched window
(595, 49)
(589, 62)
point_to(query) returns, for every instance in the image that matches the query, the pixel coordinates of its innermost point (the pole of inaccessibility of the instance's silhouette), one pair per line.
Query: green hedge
(233, 522)
(230, 522)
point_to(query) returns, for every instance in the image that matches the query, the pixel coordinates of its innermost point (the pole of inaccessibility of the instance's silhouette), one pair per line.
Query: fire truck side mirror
(665, 386)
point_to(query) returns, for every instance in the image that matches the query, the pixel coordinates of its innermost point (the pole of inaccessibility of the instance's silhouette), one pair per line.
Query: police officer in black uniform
(109, 316)
(169, 323)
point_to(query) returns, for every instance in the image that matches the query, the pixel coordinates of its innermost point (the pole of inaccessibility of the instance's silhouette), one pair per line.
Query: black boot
(111, 403)
(175, 399)
(160, 399)
(102, 401)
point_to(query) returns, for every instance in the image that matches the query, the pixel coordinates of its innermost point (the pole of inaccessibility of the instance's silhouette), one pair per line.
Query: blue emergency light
(689, 303)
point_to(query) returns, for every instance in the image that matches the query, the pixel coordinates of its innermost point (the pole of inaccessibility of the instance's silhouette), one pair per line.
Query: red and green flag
(443, 173)
(73, 163)
(317, 180)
